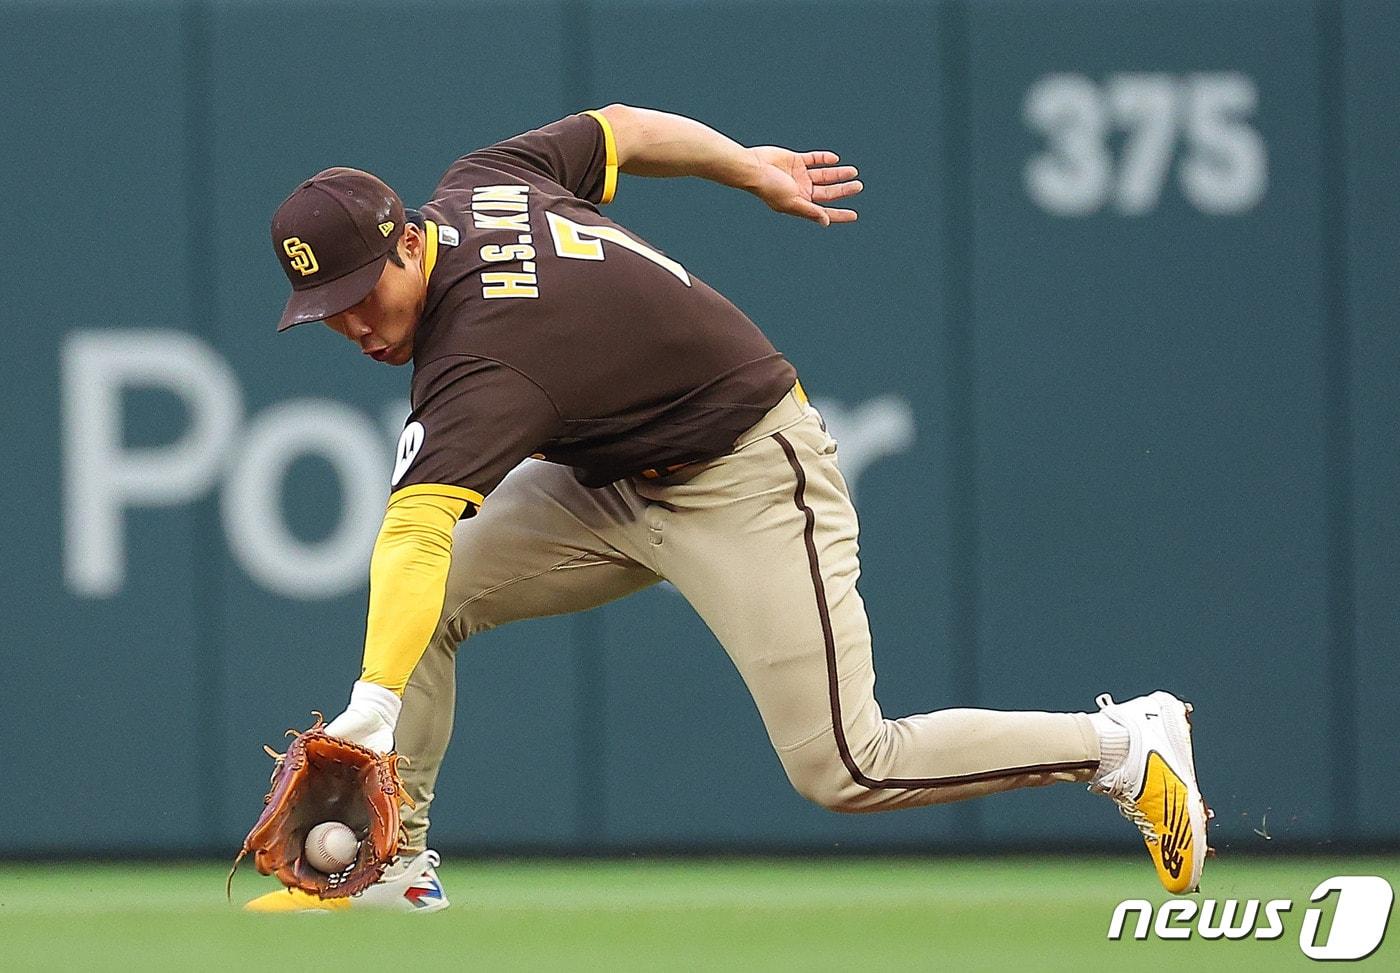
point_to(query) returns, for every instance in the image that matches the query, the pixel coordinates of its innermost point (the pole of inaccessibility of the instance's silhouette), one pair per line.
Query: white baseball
(331, 847)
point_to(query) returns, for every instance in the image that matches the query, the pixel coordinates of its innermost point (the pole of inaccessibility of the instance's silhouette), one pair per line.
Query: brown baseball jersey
(549, 330)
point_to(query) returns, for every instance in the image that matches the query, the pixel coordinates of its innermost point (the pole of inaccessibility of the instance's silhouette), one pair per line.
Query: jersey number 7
(577, 241)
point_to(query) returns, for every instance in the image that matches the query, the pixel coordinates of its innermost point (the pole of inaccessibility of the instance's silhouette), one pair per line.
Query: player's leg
(763, 545)
(540, 545)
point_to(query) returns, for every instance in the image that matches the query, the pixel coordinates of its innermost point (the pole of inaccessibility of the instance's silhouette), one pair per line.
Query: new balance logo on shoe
(424, 892)
(1177, 836)
(1171, 856)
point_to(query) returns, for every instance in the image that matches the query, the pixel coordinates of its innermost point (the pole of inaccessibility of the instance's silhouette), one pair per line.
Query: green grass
(994, 913)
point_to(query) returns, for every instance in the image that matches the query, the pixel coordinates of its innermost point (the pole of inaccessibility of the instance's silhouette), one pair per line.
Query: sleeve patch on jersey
(409, 444)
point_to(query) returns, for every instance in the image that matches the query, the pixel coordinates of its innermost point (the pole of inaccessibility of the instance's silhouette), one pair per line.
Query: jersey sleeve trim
(430, 249)
(437, 490)
(610, 141)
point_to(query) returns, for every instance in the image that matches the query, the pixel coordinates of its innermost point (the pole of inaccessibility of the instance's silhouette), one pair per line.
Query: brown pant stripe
(833, 685)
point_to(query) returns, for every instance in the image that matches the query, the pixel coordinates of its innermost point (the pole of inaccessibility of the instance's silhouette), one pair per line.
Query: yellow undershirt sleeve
(407, 583)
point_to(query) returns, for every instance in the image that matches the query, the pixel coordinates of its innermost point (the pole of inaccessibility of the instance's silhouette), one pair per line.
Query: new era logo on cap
(386, 227)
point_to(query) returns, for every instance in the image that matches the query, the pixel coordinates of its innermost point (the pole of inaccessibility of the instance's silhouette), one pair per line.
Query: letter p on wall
(101, 476)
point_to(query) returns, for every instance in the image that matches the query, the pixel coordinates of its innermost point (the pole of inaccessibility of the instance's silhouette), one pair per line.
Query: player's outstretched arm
(407, 582)
(655, 143)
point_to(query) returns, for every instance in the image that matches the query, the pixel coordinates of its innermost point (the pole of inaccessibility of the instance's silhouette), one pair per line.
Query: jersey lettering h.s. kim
(551, 331)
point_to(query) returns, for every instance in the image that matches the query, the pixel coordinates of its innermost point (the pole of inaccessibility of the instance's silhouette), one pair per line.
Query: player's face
(383, 323)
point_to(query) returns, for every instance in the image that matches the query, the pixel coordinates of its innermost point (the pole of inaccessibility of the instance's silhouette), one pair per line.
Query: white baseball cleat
(1155, 785)
(407, 886)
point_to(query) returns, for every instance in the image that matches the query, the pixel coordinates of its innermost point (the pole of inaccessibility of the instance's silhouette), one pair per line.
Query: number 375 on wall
(1114, 143)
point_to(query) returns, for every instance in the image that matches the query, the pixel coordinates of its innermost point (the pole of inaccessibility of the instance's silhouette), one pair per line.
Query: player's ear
(411, 242)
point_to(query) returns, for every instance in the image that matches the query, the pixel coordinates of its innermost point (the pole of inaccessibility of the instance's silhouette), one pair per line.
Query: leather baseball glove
(325, 778)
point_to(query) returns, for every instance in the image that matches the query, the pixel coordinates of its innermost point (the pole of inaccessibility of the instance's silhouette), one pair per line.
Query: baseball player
(589, 418)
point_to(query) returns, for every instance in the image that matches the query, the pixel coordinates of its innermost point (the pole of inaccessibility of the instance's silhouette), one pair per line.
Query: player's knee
(827, 782)
(468, 620)
(842, 799)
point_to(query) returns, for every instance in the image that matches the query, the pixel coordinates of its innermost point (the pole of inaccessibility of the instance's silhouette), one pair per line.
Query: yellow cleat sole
(294, 900)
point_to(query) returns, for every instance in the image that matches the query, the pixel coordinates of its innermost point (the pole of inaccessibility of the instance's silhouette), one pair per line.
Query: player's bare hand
(804, 183)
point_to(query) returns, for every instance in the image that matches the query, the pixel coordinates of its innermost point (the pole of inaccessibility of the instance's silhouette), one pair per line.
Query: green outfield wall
(1112, 354)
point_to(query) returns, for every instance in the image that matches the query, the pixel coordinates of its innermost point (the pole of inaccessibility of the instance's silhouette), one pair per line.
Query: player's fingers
(825, 177)
(807, 210)
(819, 158)
(825, 194)
(841, 215)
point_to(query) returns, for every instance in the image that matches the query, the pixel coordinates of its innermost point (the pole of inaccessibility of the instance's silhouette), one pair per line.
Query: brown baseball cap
(333, 235)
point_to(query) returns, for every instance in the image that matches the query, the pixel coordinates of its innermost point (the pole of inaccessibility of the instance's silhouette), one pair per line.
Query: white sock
(398, 866)
(1113, 744)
